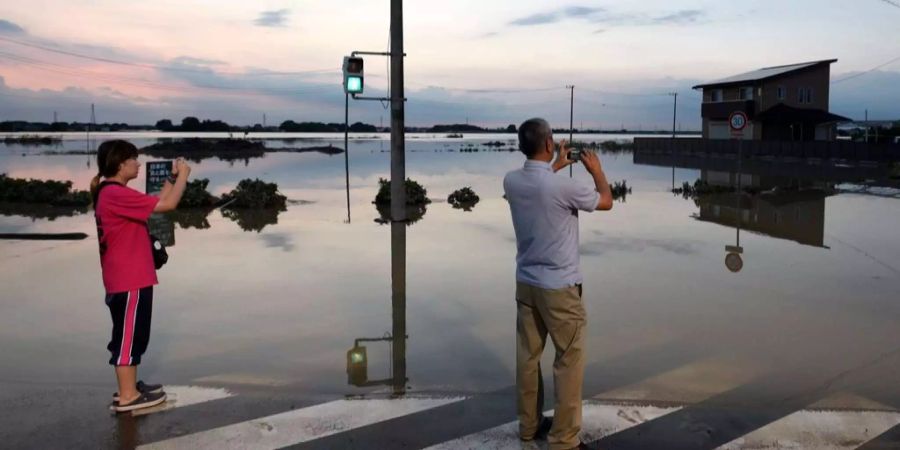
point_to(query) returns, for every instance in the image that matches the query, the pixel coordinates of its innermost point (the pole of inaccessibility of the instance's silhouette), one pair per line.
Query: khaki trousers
(559, 313)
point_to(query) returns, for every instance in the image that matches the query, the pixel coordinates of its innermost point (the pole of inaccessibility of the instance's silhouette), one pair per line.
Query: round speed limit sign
(737, 121)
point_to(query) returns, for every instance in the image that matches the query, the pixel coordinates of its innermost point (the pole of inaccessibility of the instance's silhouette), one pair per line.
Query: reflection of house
(794, 211)
(797, 216)
(783, 103)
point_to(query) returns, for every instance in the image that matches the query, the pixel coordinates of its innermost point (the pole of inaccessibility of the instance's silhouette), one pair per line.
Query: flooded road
(276, 303)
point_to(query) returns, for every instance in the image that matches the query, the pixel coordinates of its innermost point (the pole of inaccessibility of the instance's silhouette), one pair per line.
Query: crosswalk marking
(181, 396)
(598, 420)
(302, 425)
(824, 430)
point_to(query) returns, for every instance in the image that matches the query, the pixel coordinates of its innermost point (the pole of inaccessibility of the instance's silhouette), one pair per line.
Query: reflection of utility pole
(571, 89)
(357, 358)
(398, 305)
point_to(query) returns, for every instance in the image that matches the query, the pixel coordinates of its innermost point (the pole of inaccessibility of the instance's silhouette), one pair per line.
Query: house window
(746, 93)
(780, 92)
(809, 95)
(716, 96)
(801, 95)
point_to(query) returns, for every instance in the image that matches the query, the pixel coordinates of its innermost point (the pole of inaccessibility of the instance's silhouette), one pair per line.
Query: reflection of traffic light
(353, 75)
(357, 366)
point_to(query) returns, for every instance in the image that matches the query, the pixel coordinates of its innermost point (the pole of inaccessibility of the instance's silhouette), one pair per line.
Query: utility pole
(571, 89)
(398, 201)
(264, 121)
(398, 116)
(54, 117)
(867, 126)
(90, 125)
(674, 117)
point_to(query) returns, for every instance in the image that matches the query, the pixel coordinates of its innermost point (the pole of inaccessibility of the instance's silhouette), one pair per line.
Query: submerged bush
(196, 195)
(416, 194)
(255, 194)
(464, 198)
(57, 193)
(620, 190)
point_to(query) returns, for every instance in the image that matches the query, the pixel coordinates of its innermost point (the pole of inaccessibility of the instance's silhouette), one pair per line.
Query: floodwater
(277, 300)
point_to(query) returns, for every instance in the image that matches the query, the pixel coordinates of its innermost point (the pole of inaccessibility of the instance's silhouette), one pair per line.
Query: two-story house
(783, 103)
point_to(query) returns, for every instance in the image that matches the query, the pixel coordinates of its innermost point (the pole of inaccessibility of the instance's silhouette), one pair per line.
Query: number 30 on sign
(737, 121)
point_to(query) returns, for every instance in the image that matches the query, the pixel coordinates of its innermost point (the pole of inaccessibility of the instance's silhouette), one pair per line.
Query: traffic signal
(353, 75)
(357, 366)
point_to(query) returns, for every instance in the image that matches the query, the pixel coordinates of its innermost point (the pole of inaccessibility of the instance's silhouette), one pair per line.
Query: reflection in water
(253, 219)
(357, 358)
(191, 218)
(414, 213)
(126, 431)
(784, 209)
(40, 211)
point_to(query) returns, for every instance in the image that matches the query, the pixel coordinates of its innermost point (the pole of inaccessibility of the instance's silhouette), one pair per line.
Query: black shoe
(543, 430)
(143, 388)
(144, 401)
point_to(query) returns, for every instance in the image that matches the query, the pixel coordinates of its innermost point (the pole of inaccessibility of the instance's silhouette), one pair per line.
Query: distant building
(783, 103)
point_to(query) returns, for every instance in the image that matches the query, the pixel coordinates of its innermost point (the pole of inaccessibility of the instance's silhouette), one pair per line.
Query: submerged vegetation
(464, 198)
(50, 192)
(416, 194)
(620, 190)
(255, 194)
(32, 139)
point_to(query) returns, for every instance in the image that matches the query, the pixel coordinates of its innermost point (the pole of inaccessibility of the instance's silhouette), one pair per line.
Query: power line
(140, 82)
(857, 75)
(155, 66)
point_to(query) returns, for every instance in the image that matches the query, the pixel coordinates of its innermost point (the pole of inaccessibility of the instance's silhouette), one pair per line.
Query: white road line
(821, 430)
(181, 396)
(302, 425)
(598, 420)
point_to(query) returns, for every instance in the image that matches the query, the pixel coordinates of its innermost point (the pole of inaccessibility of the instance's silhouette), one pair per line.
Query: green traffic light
(354, 84)
(357, 357)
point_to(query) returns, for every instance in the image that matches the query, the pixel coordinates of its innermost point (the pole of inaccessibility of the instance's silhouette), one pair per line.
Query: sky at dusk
(491, 63)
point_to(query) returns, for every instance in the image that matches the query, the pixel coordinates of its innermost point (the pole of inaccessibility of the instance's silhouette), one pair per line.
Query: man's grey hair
(533, 133)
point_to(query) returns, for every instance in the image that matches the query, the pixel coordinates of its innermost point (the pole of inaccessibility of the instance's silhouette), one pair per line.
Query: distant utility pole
(674, 118)
(264, 120)
(867, 126)
(91, 125)
(54, 117)
(571, 89)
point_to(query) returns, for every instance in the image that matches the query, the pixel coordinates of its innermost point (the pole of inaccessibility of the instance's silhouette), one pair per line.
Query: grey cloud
(537, 19)
(581, 11)
(680, 17)
(7, 27)
(191, 61)
(488, 35)
(277, 18)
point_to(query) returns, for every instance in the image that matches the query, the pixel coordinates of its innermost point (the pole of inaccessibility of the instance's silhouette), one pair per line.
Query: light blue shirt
(544, 209)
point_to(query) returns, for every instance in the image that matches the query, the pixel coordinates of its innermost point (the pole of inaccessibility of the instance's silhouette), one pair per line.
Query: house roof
(782, 113)
(764, 73)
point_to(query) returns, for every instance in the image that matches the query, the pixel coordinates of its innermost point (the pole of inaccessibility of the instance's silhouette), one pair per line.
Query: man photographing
(544, 210)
